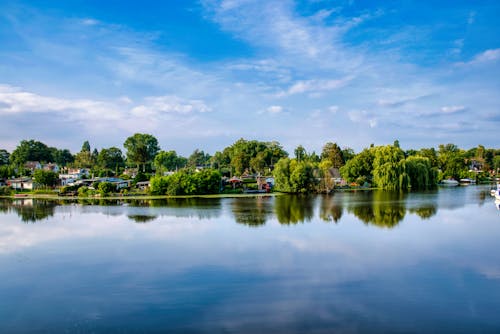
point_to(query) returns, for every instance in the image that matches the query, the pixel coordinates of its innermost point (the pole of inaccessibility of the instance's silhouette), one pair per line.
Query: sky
(202, 74)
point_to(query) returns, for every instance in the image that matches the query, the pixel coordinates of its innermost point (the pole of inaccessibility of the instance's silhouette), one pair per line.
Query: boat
(449, 182)
(496, 192)
(467, 181)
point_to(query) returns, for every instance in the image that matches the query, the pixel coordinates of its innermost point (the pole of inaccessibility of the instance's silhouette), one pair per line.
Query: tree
(85, 146)
(168, 160)
(4, 157)
(359, 169)
(293, 176)
(31, 150)
(300, 153)
(332, 152)
(62, 157)
(141, 149)
(451, 161)
(110, 158)
(198, 158)
(389, 168)
(421, 174)
(106, 188)
(45, 178)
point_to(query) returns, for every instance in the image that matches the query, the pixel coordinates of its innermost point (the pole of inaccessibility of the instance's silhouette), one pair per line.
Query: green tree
(300, 153)
(110, 158)
(420, 172)
(4, 157)
(45, 178)
(332, 152)
(62, 157)
(169, 161)
(360, 168)
(389, 168)
(31, 150)
(451, 161)
(85, 146)
(293, 176)
(106, 188)
(198, 158)
(141, 149)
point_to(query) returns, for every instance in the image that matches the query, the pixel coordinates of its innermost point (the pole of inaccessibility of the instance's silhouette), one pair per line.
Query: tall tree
(168, 160)
(31, 150)
(110, 158)
(300, 153)
(85, 146)
(4, 157)
(198, 158)
(332, 152)
(141, 149)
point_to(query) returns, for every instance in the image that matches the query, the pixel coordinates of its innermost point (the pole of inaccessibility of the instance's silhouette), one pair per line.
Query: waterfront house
(22, 183)
(33, 165)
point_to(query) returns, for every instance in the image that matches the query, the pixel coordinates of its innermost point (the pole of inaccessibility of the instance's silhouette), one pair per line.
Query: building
(22, 183)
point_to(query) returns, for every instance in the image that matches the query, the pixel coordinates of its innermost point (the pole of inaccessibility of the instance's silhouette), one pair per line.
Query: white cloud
(315, 86)
(274, 109)
(362, 116)
(333, 109)
(452, 109)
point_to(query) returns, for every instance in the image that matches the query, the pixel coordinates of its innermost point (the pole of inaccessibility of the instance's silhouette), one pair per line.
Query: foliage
(106, 188)
(451, 161)
(110, 158)
(198, 158)
(168, 161)
(359, 167)
(62, 157)
(333, 153)
(389, 168)
(45, 178)
(7, 171)
(249, 155)
(31, 150)
(141, 148)
(186, 182)
(6, 191)
(4, 157)
(420, 172)
(294, 176)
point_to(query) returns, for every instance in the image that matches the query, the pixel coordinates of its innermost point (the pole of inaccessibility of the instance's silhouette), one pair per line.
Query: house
(336, 177)
(22, 183)
(132, 172)
(143, 185)
(72, 175)
(33, 165)
(51, 167)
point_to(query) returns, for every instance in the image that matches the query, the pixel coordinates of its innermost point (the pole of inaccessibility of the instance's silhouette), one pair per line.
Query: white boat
(467, 181)
(449, 182)
(496, 192)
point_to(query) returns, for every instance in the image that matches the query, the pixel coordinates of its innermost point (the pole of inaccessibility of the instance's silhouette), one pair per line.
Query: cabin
(22, 183)
(143, 185)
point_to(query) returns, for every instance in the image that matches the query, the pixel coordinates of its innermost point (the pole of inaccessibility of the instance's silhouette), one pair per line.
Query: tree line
(386, 167)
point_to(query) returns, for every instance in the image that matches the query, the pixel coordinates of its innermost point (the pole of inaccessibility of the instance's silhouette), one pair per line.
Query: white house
(22, 183)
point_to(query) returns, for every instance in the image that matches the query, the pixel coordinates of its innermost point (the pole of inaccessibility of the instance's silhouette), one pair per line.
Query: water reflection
(294, 209)
(381, 208)
(252, 211)
(29, 210)
(141, 218)
(330, 208)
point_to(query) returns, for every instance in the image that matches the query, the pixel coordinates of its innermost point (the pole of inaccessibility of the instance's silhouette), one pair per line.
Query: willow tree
(420, 172)
(389, 168)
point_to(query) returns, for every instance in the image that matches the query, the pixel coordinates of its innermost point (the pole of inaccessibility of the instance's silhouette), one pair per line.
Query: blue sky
(202, 74)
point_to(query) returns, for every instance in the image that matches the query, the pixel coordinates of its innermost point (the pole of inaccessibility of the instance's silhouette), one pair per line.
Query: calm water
(348, 263)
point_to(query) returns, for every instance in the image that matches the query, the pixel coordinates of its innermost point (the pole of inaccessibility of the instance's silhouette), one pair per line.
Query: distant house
(336, 177)
(72, 175)
(132, 172)
(33, 165)
(51, 167)
(22, 183)
(143, 185)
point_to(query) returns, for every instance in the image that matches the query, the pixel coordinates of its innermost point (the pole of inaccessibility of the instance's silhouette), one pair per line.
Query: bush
(6, 191)
(106, 188)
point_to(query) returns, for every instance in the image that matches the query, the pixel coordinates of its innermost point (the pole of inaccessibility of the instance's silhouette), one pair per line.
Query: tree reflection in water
(381, 208)
(141, 218)
(252, 211)
(33, 210)
(294, 209)
(330, 208)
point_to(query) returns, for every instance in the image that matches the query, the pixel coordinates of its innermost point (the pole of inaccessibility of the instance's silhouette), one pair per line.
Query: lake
(351, 262)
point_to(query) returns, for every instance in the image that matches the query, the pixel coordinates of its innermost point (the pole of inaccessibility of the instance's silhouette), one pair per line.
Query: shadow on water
(380, 208)
(331, 208)
(29, 210)
(252, 211)
(294, 209)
